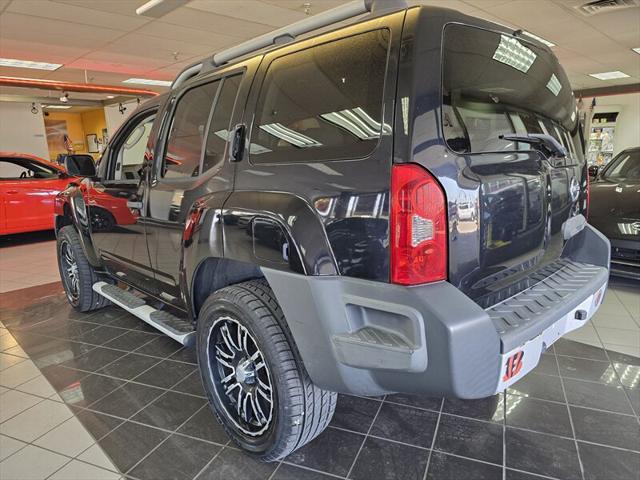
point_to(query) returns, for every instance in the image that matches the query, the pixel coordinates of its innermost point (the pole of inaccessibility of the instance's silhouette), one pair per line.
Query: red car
(28, 188)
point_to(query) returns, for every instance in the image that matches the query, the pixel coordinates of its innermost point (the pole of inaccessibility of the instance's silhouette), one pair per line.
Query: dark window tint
(495, 84)
(188, 128)
(324, 102)
(219, 129)
(626, 165)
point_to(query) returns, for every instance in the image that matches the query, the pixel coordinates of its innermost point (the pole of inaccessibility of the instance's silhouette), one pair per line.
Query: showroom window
(188, 128)
(324, 102)
(219, 128)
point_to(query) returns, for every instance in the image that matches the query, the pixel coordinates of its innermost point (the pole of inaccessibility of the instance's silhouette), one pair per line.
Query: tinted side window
(130, 156)
(25, 169)
(188, 128)
(324, 102)
(219, 129)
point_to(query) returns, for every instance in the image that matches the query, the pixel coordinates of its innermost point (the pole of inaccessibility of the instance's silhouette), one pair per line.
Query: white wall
(114, 118)
(627, 132)
(22, 131)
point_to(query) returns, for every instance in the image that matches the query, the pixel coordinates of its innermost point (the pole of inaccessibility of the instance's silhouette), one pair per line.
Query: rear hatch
(507, 203)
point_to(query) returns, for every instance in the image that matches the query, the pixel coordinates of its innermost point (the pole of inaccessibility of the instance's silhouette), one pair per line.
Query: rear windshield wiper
(546, 144)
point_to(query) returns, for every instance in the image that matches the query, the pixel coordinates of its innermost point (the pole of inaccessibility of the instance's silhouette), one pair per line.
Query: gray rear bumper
(368, 338)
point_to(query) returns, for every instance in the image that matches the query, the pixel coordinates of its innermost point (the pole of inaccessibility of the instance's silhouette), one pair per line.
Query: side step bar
(176, 328)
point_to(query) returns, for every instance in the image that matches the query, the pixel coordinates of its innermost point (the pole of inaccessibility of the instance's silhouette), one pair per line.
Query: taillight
(418, 226)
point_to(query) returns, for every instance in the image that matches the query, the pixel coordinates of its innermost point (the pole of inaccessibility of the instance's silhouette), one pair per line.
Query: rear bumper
(368, 338)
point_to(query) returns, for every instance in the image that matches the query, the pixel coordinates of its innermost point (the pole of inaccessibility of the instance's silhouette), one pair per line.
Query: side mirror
(593, 171)
(79, 165)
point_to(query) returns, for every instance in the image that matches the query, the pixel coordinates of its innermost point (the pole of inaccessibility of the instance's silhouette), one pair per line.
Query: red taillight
(418, 227)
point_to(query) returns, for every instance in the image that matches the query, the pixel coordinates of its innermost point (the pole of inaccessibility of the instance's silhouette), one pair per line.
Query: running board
(176, 328)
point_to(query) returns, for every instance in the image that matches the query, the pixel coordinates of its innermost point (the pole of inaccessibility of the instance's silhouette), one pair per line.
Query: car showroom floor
(103, 396)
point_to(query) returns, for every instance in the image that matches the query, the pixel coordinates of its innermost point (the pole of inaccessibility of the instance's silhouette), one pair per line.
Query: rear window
(323, 103)
(495, 84)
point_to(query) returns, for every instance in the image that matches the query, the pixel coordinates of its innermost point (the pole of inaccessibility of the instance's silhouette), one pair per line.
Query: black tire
(301, 410)
(80, 293)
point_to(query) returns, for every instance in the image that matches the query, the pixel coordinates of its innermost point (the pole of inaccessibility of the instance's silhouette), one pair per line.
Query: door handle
(12, 192)
(237, 142)
(133, 205)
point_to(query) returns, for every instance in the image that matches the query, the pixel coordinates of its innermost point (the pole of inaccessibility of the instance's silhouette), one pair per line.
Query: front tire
(77, 275)
(256, 383)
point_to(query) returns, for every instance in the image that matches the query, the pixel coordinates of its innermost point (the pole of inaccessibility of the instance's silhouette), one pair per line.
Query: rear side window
(219, 129)
(188, 129)
(495, 84)
(323, 103)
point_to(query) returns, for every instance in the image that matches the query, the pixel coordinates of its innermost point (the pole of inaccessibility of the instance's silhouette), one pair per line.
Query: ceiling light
(637, 50)
(511, 52)
(540, 39)
(12, 62)
(609, 75)
(148, 81)
(158, 8)
(110, 97)
(59, 107)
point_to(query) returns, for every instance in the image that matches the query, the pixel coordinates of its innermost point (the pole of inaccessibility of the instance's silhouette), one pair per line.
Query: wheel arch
(213, 273)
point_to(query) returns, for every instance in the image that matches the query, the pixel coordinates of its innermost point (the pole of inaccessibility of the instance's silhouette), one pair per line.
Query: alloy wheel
(241, 376)
(70, 271)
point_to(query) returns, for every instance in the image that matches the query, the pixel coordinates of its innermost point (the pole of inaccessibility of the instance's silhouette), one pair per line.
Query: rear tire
(77, 275)
(248, 316)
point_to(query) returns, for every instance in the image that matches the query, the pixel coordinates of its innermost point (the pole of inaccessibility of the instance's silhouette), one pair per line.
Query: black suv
(396, 205)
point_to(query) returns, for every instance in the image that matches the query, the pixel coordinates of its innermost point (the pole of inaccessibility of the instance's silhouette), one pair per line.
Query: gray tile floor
(120, 399)
(104, 396)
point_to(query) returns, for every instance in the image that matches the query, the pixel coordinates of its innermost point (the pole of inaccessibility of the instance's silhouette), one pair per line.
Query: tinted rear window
(324, 102)
(496, 84)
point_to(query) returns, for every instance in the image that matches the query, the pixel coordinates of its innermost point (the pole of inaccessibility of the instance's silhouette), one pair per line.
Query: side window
(130, 154)
(187, 133)
(324, 102)
(219, 129)
(16, 169)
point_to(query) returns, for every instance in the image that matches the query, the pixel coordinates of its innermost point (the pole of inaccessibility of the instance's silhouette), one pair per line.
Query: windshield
(496, 84)
(625, 166)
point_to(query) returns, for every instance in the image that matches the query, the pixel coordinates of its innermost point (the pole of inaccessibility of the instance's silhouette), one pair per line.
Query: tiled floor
(138, 396)
(27, 259)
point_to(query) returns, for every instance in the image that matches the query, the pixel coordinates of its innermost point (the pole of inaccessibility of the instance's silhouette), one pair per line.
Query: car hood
(614, 208)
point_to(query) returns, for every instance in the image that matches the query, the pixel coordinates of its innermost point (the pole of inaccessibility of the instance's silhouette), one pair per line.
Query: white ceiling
(108, 40)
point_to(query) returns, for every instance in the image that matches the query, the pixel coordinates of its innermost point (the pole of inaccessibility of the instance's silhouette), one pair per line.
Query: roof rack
(287, 34)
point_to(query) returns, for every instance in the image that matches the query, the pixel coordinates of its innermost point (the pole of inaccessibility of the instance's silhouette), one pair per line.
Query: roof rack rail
(288, 33)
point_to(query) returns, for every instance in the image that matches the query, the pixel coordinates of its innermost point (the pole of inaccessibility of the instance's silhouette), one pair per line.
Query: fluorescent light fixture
(637, 50)
(12, 62)
(554, 85)
(540, 39)
(148, 81)
(290, 136)
(158, 8)
(358, 122)
(110, 97)
(59, 107)
(511, 52)
(609, 75)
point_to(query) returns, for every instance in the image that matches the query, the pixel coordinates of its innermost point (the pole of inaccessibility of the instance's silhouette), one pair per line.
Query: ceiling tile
(77, 14)
(212, 22)
(251, 10)
(185, 34)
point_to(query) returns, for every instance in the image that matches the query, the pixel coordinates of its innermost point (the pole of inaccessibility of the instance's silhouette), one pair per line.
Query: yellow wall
(79, 125)
(93, 121)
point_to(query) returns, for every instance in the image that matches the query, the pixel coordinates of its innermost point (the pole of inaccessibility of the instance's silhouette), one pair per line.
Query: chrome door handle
(134, 205)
